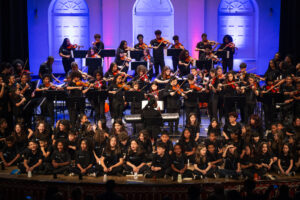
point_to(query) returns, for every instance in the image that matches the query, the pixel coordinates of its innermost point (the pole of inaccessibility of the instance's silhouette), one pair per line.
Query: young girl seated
(202, 168)
(135, 159)
(33, 159)
(178, 162)
(214, 127)
(188, 145)
(112, 159)
(247, 162)
(264, 160)
(194, 127)
(84, 160)
(286, 162)
(145, 143)
(60, 159)
(232, 166)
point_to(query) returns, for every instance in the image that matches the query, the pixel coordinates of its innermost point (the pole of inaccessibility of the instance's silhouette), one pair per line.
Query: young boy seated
(46, 150)
(33, 159)
(60, 159)
(9, 154)
(165, 139)
(160, 162)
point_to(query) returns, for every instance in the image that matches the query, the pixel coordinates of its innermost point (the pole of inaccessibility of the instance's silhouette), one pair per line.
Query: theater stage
(18, 186)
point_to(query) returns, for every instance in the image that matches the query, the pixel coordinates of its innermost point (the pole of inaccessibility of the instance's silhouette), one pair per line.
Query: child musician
(185, 60)
(9, 155)
(159, 44)
(172, 93)
(98, 44)
(98, 101)
(228, 48)
(176, 45)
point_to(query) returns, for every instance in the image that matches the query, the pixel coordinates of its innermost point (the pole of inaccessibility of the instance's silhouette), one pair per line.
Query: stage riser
(12, 189)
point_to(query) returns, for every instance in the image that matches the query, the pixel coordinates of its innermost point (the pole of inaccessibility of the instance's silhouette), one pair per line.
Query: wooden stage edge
(18, 186)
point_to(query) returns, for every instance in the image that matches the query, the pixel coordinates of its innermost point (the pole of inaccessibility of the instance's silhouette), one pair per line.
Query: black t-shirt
(211, 157)
(45, 68)
(33, 158)
(263, 158)
(168, 145)
(65, 52)
(246, 160)
(228, 128)
(99, 45)
(163, 162)
(201, 45)
(60, 135)
(135, 158)
(112, 158)
(99, 148)
(147, 146)
(202, 164)
(178, 161)
(218, 144)
(231, 162)
(48, 149)
(187, 146)
(159, 52)
(9, 153)
(60, 157)
(74, 93)
(84, 158)
(285, 160)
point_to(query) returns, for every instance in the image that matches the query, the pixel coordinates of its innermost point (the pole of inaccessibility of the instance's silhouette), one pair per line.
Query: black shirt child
(60, 135)
(202, 164)
(201, 45)
(187, 146)
(146, 146)
(168, 145)
(246, 160)
(228, 128)
(84, 158)
(163, 162)
(135, 158)
(178, 161)
(112, 158)
(158, 53)
(9, 153)
(263, 158)
(218, 144)
(211, 157)
(45, 68)
(99, 148)
(285, 161)
(60, 157)
(33, 158)
(48, 148)
(98, 46)
(124, 148)
(231, 162)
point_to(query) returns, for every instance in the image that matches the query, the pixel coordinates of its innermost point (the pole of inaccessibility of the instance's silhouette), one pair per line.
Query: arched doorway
(67, 18)
(239, 18)
(150, 15)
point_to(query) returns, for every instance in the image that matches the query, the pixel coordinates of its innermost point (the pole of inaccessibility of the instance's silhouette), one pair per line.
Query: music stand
(135, 64)
(204, 64)
(107, 53)
(173, 52)
(56, 95)
(80, 53)
(137, 54)
(93, 65)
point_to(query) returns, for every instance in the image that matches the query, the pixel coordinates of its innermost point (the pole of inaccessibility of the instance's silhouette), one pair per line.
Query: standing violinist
(268, 96)
(229, 90)
(117, 96)
(122, 58)
(214, 93)
(92, 54)
(98, 44)
(176, 45)
(228, 48)
(159, 44)
(191, 101)
(98, 101)
(140, 45)
(185, 60)
(202, 45)
(76, 103)
(250, 91)
(173, 92)
(65, 52)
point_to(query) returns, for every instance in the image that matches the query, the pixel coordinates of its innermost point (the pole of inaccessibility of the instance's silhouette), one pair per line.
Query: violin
(98, 84)
(71, 46)
(188, 59)
(195, 87)
(144, 77)
(143, 46)
(230, 45)
(178, 46)
(177, 89)
(49, 85)
(124, 86)
(272, 88)
(208, 42)
(115, 73)
(147, 58)
(162, 41)
(82, 84)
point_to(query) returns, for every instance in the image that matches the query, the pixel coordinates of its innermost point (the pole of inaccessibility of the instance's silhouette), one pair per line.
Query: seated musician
(74, 68)
(176, 45)
(142, 76)
(165, 75)
(92, 54)
(122, 58)
(98, 44)
(185, 60)
(111, 73)
(154, 91)
(149, 59)
(152, 118)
